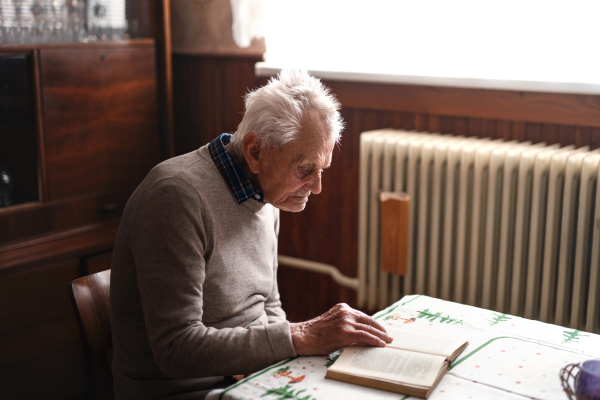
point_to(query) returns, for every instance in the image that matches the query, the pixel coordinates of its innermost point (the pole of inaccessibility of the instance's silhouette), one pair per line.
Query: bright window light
(530, 40)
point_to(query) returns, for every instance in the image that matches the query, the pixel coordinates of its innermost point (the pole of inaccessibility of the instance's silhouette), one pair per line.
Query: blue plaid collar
(230, 170)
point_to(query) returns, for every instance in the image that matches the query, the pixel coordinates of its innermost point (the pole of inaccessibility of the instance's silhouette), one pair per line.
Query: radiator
(508, 226)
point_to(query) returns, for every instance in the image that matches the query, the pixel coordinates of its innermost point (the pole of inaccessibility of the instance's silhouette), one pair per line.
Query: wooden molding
(67, 243)
(39, 123)
(237, 53)
(164, 64)
(75, 45)
(557, 108)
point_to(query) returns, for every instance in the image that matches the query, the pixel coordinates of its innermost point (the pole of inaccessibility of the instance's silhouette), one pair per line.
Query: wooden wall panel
(208, 97)
(556, 108)
(208, 92)
(41, 354)
(130, 103)
(97, 263)
(152, 19)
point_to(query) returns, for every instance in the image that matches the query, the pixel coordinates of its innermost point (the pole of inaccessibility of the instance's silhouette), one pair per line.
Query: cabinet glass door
(18, 151)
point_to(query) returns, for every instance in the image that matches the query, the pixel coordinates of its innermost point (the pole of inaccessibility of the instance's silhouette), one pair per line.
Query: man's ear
(252, 150)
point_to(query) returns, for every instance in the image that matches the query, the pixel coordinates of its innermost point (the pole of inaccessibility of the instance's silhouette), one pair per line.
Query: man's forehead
(317, 152)
(313, 143)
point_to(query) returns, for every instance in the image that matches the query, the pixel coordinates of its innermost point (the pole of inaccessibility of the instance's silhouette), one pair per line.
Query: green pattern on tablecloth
(286, 392)
(331, 360)
(253, 376)
(430, 316)
(572, 336)
(394, 306)
(385, 312)
(508, 357)
(499, 318)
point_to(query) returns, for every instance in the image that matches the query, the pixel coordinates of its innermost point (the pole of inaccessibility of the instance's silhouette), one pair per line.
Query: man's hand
(338, 327)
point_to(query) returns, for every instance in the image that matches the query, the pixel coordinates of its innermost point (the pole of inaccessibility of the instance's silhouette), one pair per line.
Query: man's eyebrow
(314, 166)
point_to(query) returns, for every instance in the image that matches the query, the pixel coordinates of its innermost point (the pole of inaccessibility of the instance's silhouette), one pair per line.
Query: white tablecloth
(508, 357)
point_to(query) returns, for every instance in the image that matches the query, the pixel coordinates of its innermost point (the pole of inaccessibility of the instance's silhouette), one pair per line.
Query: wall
(208, 94)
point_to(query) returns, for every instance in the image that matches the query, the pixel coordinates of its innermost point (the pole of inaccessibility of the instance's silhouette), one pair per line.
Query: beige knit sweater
(193, 288)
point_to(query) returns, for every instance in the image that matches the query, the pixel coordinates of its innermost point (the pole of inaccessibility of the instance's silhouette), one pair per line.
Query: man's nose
(314, 183)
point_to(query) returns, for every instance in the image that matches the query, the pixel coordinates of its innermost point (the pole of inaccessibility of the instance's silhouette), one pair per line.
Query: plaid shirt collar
(236, 179)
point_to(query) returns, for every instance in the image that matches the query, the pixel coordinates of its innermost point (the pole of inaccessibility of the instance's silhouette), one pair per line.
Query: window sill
(265, 69)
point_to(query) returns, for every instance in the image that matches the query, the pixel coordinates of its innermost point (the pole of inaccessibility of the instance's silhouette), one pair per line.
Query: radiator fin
(508, 226)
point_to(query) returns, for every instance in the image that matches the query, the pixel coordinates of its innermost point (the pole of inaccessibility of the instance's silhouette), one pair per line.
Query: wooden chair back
(90, 297)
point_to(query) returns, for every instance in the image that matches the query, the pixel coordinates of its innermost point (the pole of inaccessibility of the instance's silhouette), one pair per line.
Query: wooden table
(508, 357)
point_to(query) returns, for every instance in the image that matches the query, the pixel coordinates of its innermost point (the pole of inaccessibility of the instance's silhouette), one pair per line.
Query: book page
(423, 343)
(391, 365)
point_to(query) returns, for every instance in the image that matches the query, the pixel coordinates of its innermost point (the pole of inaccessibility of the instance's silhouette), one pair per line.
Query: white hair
(275, 111)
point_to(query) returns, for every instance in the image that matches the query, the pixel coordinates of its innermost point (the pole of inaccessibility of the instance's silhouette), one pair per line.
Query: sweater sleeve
(168, 240)
(273, 307)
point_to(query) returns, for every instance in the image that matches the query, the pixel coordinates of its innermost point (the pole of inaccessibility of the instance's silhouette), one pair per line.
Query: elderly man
(194, 295)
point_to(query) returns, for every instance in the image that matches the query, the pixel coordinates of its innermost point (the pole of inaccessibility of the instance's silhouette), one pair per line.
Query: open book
(412, 364)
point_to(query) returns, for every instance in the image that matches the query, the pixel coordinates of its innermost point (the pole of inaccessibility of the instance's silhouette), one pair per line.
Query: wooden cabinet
(41, 355)
(99, 134)
(18, 161)
(100, 118)
(97, 118)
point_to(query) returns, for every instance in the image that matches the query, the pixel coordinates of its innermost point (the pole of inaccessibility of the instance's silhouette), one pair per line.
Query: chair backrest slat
(90, 296)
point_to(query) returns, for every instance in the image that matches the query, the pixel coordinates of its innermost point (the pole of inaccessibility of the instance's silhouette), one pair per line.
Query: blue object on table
(587, 382)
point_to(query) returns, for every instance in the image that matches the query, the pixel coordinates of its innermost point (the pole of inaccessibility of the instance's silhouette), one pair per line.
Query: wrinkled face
(289, 175)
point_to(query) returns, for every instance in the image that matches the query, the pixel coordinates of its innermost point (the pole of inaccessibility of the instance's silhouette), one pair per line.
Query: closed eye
(304, 172)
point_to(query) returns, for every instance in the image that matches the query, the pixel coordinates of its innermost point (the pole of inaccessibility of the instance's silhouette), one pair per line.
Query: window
(530, 40)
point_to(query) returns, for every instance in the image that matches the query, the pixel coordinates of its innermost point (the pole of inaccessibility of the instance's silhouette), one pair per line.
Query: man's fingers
(336, 328)
(375, 332)
(373, 322)
(366, 338)
(365, 319)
